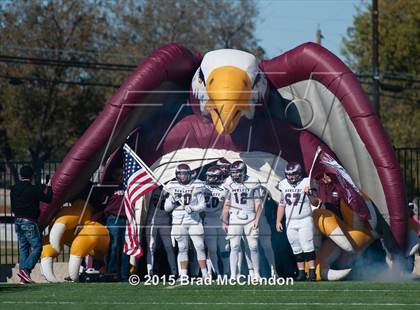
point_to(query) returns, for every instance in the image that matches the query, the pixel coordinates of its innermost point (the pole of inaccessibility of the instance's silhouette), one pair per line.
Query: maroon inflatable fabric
(176, 63)
(171, 62)
(302, 63)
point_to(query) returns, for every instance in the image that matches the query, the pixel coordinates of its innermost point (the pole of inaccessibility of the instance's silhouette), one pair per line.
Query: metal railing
(409, 159)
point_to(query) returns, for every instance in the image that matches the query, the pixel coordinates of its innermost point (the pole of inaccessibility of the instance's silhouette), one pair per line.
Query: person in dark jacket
(116, 222)
(25, 199)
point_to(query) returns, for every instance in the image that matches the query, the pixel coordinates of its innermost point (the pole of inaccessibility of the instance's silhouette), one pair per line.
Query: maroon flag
(347, 189)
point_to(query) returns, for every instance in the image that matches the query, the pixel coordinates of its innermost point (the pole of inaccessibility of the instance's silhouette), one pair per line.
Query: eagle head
(228, 84)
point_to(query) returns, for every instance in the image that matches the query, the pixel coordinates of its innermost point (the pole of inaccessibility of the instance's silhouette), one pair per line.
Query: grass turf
(322, 295)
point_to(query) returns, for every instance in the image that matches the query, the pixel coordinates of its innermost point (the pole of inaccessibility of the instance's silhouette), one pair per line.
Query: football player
(295, 200)
(185, 201)
(214, 235)
(159, 224)
(224, 166)
(241, 214)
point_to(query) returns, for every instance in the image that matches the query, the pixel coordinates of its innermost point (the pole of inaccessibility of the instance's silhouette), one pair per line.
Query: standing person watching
(25, 199)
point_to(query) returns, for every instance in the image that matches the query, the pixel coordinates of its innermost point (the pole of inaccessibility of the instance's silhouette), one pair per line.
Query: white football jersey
(291, 196)
(191, 195)
(215, 198)
(242, 195)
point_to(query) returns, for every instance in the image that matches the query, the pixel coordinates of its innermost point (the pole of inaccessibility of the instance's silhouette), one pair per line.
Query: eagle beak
(229, 90)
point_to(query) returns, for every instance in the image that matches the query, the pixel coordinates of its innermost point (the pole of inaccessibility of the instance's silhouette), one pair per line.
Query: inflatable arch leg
(93, 239)
(67, 219)
(49, 253)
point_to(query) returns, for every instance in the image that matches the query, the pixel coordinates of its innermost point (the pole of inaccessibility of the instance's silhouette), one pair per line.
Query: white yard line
(6, 302)
(256, 289)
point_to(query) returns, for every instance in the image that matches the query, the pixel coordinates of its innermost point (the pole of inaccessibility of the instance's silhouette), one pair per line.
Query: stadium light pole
(375, 57)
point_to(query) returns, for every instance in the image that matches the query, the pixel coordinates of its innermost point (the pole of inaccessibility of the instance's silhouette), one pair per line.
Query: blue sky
(285, 24)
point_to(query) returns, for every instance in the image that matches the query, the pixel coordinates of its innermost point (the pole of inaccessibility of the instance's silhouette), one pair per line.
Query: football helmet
(293, 172)
(183, 174)
(224, 165)
(238, 171)
(214, 176)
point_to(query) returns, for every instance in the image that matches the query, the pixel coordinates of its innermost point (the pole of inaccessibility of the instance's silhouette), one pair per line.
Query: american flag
(138, 181)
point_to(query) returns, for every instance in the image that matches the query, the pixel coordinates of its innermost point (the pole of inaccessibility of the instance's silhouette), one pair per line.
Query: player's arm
(201, 201)
(258, 196)
(225, 212)
(280, 213)
(279, 218)
(169, 202)
(258, 212)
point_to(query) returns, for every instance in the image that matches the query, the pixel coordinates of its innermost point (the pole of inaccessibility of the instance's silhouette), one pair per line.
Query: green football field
(323, 295)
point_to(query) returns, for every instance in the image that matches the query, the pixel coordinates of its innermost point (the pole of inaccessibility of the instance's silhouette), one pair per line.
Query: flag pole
(142, 163)
(318, 151)
(127, 148)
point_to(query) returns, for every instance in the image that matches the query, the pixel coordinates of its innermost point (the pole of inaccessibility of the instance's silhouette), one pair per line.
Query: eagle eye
(201, 76)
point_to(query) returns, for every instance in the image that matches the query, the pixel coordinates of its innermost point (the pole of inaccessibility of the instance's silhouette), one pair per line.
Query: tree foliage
(201, 25)
(40, 115)
(399, 50)
(47, 102)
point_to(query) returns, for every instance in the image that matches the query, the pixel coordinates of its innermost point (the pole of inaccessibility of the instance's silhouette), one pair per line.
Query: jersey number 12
(242, 199)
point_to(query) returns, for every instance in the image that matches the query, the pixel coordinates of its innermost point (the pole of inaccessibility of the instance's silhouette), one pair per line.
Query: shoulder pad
(282, 183)
(172, 184)
(198, 183)
(227, 182)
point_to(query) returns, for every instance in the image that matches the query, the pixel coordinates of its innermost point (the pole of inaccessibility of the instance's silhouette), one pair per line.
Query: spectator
(25, 199)
(116, 223)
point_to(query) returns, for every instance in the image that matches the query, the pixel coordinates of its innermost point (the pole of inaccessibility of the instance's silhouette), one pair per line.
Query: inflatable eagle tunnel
(184, 107)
